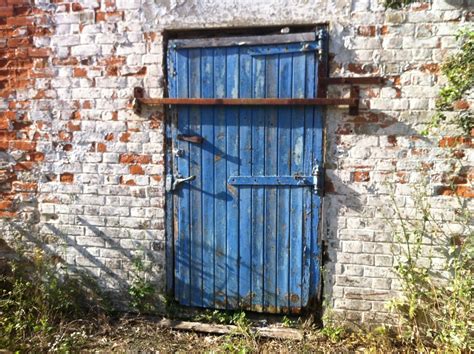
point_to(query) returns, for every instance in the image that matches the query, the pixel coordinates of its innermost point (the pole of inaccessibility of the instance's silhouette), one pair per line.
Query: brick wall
(82, 175)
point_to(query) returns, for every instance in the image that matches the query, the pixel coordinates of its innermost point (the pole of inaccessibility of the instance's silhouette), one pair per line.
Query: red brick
(134, 158)
(23, 145)
(6, 11)
(20, 21)
(101, 147)
(459, 154)
(21, 125)
(24, 166)
(79, 72)
(19, 186)
(5, 204)
(19, 42)
(125, 137)
(66, 178)
(392, 140)
(465, 191)
(366, 31)
(4, 124)
(420, 6)
(431, 67)
(36, 156)
(65, 136)
(362, 68)
(112, 71)
(39, 52)
(76, 6)
(451, 141)
(461, 105)
(66, 61)
(128, 182)
(7, 214)
(136, 170)
(113, 60)
(73, 127)
(361, 176)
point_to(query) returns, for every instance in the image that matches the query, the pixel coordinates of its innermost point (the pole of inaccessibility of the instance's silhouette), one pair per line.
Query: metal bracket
(138, 94)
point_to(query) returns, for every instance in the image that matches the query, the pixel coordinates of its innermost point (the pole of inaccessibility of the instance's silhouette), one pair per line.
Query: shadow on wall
(364, 155)
(107, 276)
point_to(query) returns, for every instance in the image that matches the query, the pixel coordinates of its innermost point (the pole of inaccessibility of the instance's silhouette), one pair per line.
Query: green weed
(141, 291)
(37, 302)
(436, 307)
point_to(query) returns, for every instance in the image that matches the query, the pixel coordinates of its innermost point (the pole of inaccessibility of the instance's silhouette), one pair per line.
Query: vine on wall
(459, 71)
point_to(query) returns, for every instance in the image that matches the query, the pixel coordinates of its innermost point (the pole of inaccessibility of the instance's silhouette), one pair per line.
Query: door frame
(171, 117)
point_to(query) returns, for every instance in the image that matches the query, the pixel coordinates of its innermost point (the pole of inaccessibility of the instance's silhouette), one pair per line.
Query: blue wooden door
(245, 227)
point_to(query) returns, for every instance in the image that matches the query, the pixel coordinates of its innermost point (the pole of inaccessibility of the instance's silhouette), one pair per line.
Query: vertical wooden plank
(271, 148)
(170, 206)
(296, 198)
(220, 182)
(195, 170)
(318, 140)
(308, 159)
(258, 192)
(183, 245)
(245, 193)
(232, 193)
(207, 119)
(284, 169)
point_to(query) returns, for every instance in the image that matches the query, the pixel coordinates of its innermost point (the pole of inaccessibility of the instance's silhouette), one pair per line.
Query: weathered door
(245, 223)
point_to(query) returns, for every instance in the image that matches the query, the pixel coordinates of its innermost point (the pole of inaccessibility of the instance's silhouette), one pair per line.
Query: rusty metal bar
(250, 101)
(196, 139)
(355, 94)
(369, 80)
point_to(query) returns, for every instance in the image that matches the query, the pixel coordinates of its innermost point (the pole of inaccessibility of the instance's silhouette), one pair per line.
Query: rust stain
(293, 297)
(232, 189)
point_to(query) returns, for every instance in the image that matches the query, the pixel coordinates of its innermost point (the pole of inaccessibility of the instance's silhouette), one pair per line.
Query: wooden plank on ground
(268, 332)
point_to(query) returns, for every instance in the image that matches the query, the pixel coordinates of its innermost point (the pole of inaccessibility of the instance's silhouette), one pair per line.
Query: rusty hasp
(196, 139)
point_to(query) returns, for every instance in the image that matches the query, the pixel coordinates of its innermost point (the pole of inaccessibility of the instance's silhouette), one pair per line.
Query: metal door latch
(316, 174)
(172, 182)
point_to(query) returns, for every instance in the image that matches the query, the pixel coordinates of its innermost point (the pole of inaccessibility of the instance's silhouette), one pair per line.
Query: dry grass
(142, 334)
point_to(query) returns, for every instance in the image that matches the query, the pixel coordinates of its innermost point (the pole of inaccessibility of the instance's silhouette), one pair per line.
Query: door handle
(179, 179)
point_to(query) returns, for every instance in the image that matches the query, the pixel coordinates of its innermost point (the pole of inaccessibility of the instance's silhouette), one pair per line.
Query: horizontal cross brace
(271, 180)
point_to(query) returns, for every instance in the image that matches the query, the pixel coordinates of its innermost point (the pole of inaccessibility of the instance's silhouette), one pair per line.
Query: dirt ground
(143, 334)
